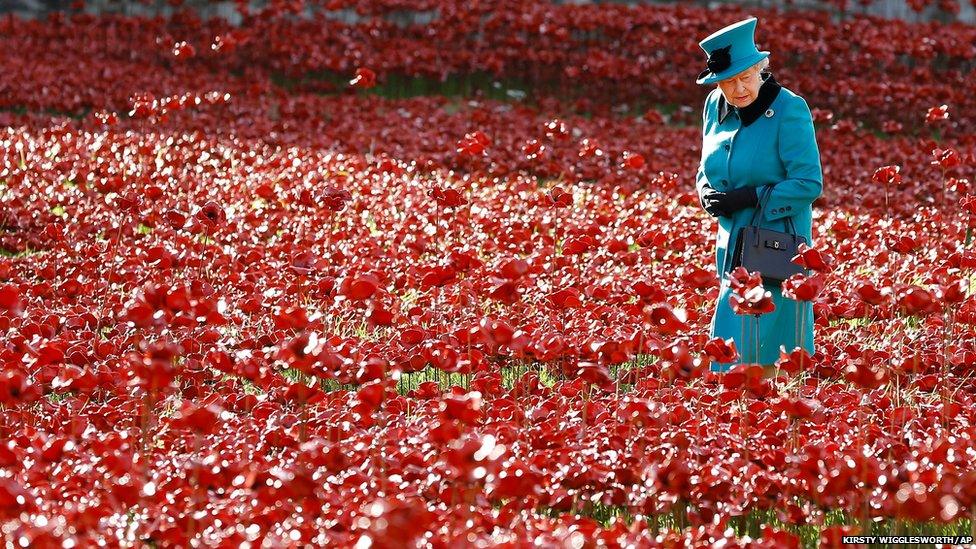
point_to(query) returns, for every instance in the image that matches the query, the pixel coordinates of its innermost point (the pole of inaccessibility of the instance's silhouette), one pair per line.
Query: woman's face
(743, 88)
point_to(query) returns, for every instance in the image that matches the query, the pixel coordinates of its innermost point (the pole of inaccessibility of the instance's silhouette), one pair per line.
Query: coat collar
(751, 112)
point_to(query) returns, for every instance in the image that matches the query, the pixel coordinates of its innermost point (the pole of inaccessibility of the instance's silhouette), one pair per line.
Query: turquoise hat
(730, 50)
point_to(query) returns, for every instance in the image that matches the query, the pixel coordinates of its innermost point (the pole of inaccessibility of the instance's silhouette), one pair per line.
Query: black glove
(728, 203)
(710, 199)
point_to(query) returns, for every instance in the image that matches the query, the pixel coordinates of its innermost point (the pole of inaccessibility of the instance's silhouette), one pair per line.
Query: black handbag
(766, 250)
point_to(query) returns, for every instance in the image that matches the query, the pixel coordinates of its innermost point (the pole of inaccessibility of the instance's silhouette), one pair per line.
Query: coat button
(727, 147)
(724, 182)
(789, 207)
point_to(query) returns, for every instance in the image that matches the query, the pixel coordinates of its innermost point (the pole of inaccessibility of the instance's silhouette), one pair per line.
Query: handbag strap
(765, 195)
(759, 208)
(789, 222)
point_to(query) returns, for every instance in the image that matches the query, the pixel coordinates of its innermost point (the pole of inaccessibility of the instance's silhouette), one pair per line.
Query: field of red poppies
(375, 284)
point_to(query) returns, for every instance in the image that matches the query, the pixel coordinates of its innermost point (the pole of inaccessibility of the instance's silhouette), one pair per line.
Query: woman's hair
(763, 65)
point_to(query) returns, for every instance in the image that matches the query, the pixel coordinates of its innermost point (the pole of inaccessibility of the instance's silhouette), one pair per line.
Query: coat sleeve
(701, 182)
(801, 157)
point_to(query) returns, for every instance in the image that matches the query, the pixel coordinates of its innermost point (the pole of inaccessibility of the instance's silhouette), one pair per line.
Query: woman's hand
(727, 203)
(711, 199)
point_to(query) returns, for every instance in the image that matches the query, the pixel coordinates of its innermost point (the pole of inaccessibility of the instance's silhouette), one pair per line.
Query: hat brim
(734, 69)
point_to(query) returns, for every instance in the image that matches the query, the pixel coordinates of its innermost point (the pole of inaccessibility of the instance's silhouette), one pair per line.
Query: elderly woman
(757, 134)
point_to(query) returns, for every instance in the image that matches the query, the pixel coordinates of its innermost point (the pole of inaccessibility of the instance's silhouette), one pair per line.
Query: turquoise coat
(779, 147)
